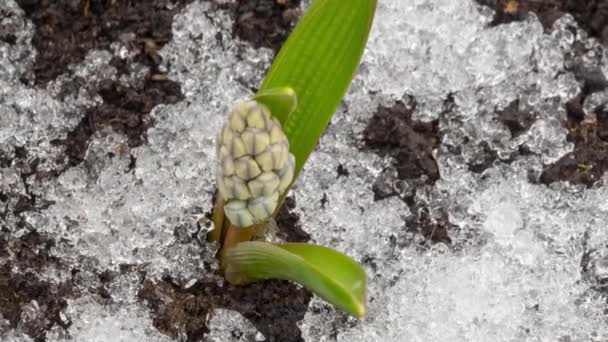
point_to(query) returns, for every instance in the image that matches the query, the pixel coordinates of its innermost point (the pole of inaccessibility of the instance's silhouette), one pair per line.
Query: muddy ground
(66, 30)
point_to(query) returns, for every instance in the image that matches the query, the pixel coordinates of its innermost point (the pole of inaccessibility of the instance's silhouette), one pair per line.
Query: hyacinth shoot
(254, 164)
(302, 89)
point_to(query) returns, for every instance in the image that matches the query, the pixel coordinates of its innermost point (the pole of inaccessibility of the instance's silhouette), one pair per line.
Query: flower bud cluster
(254, 164)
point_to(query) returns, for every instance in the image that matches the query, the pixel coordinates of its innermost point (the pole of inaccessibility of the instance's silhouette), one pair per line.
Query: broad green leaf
(318, 61)
(331, 275)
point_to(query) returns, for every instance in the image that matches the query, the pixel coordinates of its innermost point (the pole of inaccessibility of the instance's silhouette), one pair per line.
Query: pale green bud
(254, 164)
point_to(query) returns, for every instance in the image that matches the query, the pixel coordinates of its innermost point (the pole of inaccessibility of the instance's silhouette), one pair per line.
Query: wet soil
(587, 130)
(591, 15)
(273, 307)
(64, 35)
(434, 227)
(26, 300)
(66, 31)
(589, 160)
(125, 109)
(288, 223)
(264, 23)
(516, 120)
(391, 131)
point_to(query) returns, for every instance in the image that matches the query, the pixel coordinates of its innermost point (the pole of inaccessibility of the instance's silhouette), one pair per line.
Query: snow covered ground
(527, 261)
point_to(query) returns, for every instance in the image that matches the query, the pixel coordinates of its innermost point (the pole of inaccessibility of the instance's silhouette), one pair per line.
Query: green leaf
(319, 61)
(278, 100)
(331, 275)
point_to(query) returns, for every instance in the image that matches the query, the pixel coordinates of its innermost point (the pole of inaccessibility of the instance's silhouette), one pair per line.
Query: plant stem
(235, 235)
(224, 232)
(218, 220)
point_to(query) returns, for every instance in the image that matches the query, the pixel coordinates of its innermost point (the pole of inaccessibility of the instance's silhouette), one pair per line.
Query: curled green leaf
(281, 101)
(331, 275)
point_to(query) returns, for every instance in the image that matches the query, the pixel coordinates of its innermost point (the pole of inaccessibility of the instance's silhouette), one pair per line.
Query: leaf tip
(282, 101)
(360, 310)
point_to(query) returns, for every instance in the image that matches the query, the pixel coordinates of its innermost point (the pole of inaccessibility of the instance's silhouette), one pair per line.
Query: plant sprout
(265, 143)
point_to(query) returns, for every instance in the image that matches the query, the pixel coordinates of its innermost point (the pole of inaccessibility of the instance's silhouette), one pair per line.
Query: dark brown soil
(289, 225)
(588, 131)
(589, 160)
(274, 307)
(392, 131)
(20, 290)
(8, 33)
(483, 158)
(23, 288)
(23, 292)
(432, 228)
(516, 120)
(591, 15)
(264, 23)
(126, 109)
(64, 35)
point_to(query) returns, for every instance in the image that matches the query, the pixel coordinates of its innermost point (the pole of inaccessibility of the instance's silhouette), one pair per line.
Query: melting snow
(514, 272)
